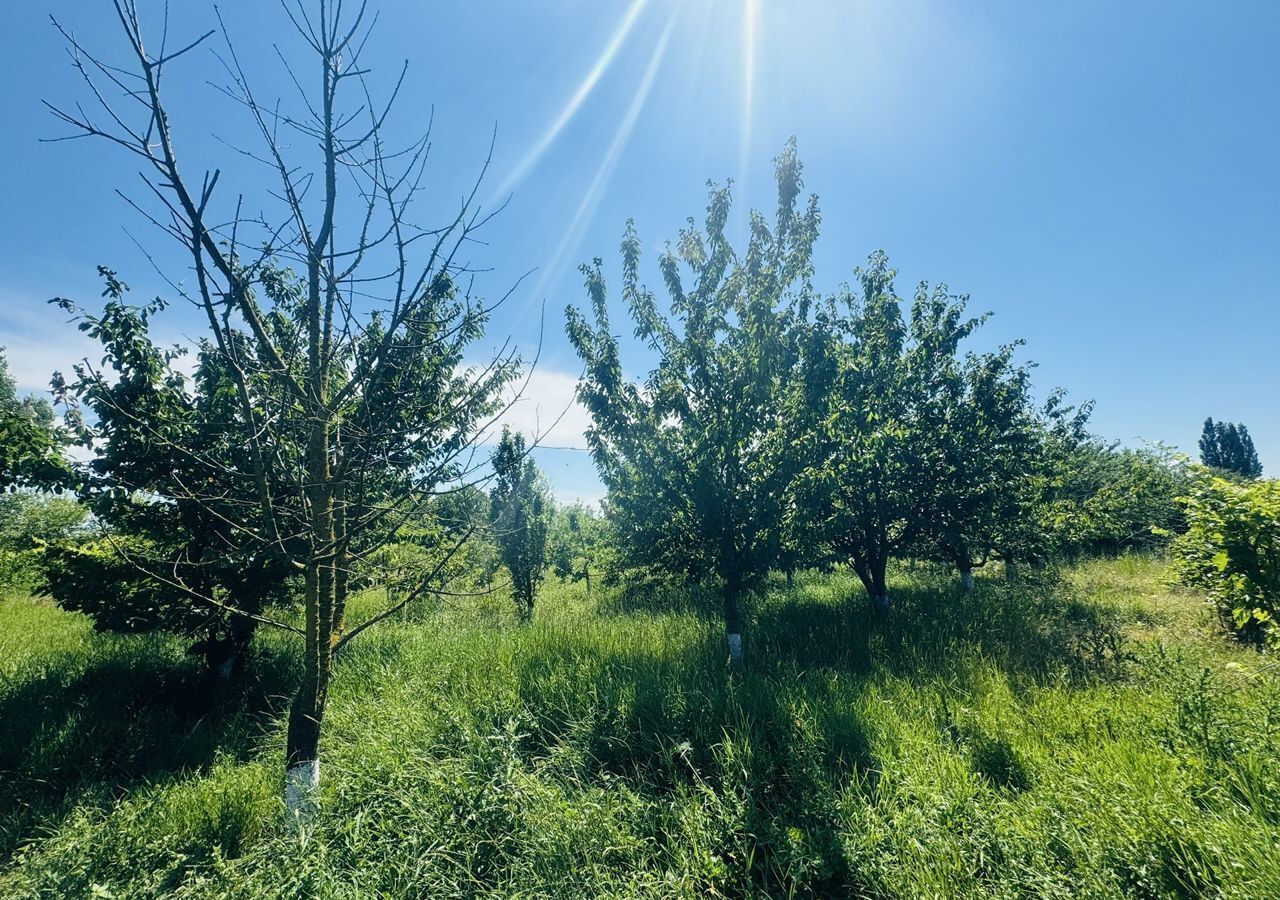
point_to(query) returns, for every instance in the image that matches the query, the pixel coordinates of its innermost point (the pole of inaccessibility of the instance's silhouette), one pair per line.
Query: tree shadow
(1038, 628)
(675, 722)
(647, 594)
(80, 731)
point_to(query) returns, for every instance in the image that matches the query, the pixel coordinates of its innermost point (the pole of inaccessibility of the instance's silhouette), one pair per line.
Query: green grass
(1091, 739)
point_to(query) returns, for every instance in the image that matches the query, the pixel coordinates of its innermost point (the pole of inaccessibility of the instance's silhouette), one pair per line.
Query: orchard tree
(883, 461)
(1098, 498)
(29, 522)
(698, 461)
(989, 449)
(519, 512)
(167, 489)
(32, 444)
(577, 543)
(336, 318)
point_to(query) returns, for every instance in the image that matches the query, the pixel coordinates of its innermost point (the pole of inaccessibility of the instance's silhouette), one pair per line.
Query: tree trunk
(224, 654)
(1010, 567)
(966, 576)
(733, 621)
(873, 576)
(302, 743)
(302, 752)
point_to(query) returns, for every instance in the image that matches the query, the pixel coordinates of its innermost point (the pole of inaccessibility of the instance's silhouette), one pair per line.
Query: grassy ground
(1094, 739)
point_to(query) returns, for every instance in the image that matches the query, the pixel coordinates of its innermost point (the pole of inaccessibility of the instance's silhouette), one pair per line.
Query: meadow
(1087, 733)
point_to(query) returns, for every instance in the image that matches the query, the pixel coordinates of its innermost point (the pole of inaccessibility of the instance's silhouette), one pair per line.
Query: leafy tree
(578, 543)
(1228, 446)
(698, 461)
(337, 322)
(168, 490)
(429, 542)
(1231, 550)
(519, 512)
(886, 458)
(989, 449)
(28, 522)
(31, 441)
(464, 509)
(1098, 498)
(1210, 451)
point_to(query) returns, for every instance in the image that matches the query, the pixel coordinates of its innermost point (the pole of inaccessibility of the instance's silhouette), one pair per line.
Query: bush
(1104, 500)
(1231, 550)
(92, 576)
(26, 521)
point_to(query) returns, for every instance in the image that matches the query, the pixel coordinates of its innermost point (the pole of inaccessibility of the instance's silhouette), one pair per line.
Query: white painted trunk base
(966, 581)
(881, 604)
(301, 784)
(735, 649)
(222, 672)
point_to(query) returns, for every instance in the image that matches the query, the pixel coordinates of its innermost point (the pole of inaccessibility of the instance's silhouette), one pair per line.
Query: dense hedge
(1231, 550)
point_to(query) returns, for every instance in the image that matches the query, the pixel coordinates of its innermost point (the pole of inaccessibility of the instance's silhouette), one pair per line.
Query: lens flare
(580, 95)
(750, 27)
(591, 198)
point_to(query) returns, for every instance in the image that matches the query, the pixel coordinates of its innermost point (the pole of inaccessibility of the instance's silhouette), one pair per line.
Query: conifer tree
(1209, 453)
(1228, 446)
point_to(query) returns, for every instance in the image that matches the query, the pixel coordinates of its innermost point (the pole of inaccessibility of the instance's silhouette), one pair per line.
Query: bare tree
(340, 320)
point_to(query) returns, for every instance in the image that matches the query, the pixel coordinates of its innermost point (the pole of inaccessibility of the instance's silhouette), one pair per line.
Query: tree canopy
(698, 460)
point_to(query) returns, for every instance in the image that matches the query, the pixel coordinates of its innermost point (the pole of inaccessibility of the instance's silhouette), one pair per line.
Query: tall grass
(1087, 737)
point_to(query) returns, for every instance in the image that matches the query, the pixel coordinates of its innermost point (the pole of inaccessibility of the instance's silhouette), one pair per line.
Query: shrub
(1231, 550)
(27, 520)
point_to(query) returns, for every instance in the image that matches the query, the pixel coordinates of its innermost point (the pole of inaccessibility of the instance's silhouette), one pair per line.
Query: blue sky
(1104, 177)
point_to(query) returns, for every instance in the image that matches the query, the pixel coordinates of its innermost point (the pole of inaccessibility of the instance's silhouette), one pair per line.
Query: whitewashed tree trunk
(735, 650)
(222, 671)
(301, 786)
(966, 580)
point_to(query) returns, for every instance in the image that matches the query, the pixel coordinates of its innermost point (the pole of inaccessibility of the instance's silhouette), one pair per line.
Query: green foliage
(31, 442)
(427, 543)
(1228, 446)
(579, 543)
(172, 482)
(1231, 551)
(1096, 498)
(29, 521)
(991, 445)
(94, 576)
(519, 510)
(922, 451)
(971, 748)
(699, 461)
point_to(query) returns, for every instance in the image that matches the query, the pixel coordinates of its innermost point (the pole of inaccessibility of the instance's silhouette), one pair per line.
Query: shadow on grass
(1038, 628)
(82, 731)
(783, 739)
(764, 749)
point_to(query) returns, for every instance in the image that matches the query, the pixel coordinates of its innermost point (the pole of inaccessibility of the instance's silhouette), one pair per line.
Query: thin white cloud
(548, 410)
(38, 340)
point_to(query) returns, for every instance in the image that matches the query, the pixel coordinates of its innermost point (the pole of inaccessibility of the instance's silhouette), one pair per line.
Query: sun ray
(573, 233)
(580, 95)
(750, 27)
